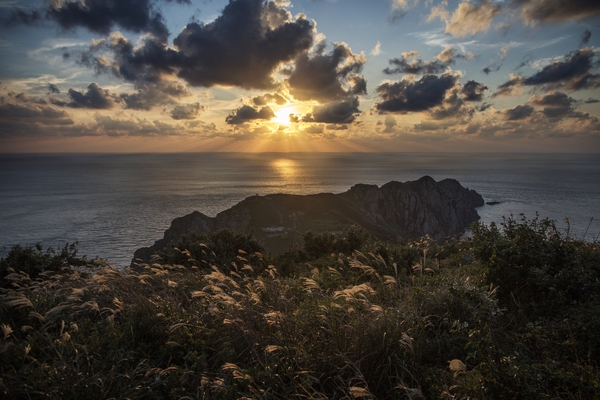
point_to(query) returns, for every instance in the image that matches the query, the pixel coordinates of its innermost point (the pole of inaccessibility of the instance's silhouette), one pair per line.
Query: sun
(282, 116)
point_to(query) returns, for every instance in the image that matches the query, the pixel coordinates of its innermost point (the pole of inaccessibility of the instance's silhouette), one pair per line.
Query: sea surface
(112, 204)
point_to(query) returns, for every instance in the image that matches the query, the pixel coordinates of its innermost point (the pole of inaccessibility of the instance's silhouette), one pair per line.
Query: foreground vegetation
(512, 313)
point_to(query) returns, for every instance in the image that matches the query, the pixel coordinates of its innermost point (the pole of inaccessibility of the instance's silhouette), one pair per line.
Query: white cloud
(377, 49)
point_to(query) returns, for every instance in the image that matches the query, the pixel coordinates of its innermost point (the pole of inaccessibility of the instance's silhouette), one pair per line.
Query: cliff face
(395, 210)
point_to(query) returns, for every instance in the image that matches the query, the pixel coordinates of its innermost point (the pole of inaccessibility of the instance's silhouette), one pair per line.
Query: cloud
(526, 60)
(554, 99)
(468, 18)
(573, 72)
(336, 112)
(314, 129)
(24, 98)
(390, 124)
(269, 98)
(326, 77)
(410, 64)
(585, 38)
(377, 49)
(27, 119)
(186, 111)
(483, 107)
(53, 89)
(100, 16)
(510, 87)
(518, 113)
(557, 10)
(556, 104)
(95, 97)
(243, 47)
(149, 95)
(491, 68)
(121, 125)
(404, 4)
(504, 52)
(473, 91)
(592, 101)
(248, 113)
(413, 96)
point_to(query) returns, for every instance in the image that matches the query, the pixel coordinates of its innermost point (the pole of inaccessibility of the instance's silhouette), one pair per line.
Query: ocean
(112, 204)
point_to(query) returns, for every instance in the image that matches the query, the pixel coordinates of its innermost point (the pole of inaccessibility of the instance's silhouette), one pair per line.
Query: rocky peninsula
(395, 210)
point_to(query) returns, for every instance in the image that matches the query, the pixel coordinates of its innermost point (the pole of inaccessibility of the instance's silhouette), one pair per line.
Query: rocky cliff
(394, 210)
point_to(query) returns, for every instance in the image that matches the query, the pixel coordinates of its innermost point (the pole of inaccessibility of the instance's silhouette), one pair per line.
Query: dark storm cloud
(483, 107)
(53, 89)
(17, 117)
(554, 99)
(95, 97)
(491, 68)
(336, 112)
(149, 62)
(24, 98)
(247, 113)
(100, 16)
(557, 112)
(326, 77)
(269, 98)
(414, 96)
(518, 113)
(150, 95)
(585, 38)
(556, 104)
(241, 48)
(557, 10)
(186, 111)
(473, 91)
(410, 64)
(592, 101)
(574, 72)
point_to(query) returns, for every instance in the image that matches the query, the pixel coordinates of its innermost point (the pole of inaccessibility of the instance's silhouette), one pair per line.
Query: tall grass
(210, 321)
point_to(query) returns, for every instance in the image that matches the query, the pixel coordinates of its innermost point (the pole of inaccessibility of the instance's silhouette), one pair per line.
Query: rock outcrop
(394, 210)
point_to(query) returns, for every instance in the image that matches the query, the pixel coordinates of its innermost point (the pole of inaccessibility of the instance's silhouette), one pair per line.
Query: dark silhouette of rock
(394, 210)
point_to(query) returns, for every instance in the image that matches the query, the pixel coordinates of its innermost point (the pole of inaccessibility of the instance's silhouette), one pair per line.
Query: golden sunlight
(282, 116)
(285, 167)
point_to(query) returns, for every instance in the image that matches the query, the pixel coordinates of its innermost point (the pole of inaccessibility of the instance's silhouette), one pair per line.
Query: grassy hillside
(512, 313)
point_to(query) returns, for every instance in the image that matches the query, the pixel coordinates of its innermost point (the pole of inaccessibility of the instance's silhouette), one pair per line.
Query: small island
(393, 211)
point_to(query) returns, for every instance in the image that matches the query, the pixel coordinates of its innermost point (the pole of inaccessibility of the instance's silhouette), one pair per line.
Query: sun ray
(282, 115)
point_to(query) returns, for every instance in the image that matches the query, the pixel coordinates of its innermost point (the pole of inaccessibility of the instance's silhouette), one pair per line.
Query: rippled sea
(113, 204)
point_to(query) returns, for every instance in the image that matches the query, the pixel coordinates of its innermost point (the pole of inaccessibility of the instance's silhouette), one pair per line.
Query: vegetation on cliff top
(511, 313)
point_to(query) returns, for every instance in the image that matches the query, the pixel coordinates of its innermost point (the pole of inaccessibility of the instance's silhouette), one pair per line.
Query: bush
(33, 260)
(536, 269)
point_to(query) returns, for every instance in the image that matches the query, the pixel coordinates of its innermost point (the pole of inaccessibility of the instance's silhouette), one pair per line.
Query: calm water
(114, 204)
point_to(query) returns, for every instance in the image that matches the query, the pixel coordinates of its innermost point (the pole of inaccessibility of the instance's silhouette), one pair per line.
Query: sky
(299, 75)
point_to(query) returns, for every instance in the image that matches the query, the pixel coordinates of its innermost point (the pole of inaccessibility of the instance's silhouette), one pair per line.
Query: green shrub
(33, 260)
